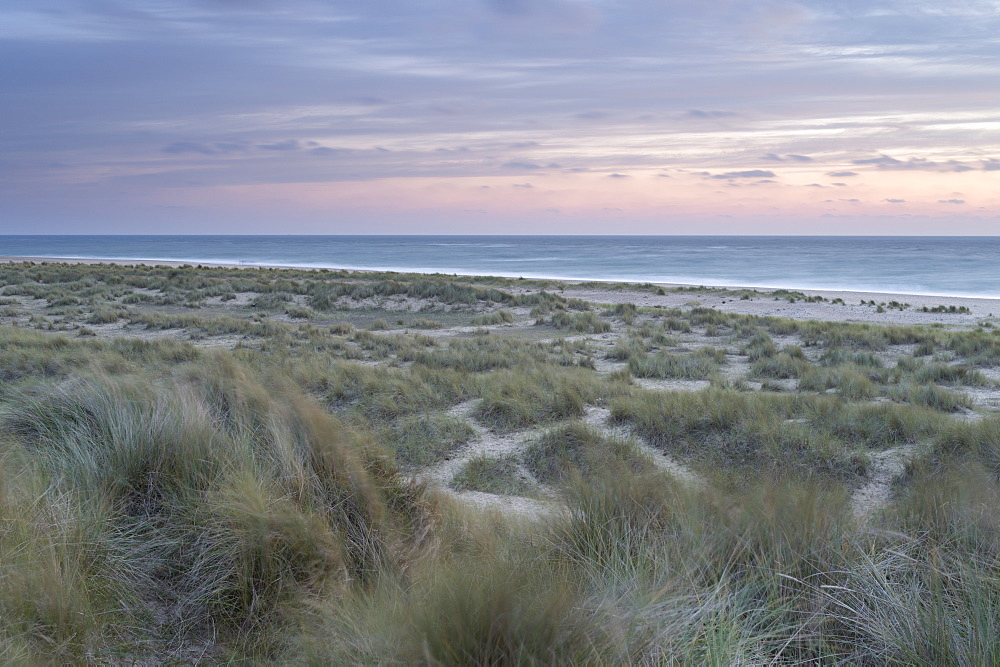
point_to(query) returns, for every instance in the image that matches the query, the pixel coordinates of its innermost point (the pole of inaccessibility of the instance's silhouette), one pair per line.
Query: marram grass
(160, 502)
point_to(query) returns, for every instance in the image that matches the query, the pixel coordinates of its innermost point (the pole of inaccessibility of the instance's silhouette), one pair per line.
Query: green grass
(697, 366)
(575, 449)
(723, 430)
(512, 400)
(939, 398)
(496, 317)
(225, 500)
(780, 366)
(492, 474)
(586, 322)
(424, 439)
(848, 382)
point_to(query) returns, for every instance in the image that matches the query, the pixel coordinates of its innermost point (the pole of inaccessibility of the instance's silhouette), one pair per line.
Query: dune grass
(493, 474)
(165, 502)
(201, 501)
(577, 450)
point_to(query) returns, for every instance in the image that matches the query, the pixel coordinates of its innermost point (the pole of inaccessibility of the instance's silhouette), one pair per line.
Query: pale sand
(763, 304)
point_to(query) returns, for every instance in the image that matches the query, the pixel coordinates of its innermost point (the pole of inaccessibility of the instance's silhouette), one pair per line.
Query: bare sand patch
(518, 506)
(656, 384)
(875, 494)
(765, 304)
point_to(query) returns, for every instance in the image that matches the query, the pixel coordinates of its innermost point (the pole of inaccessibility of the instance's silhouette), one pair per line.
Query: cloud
(791, 157)
(951, 201)
(895, 201)
(991, 165)
(226, 147)
(883, 162)
(287, 145)
(179, 147)
(917, 164)
(752, 173)
(200, 148)
(326, 150)
(708, 113)
(618, 176)
(522, 166)
(841, 174)
(523, 185)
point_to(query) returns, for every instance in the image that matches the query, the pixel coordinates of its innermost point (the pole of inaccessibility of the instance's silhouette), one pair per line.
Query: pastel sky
(500, 116)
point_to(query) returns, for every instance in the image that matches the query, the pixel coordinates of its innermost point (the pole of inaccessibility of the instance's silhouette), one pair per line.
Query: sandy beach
(765, 304)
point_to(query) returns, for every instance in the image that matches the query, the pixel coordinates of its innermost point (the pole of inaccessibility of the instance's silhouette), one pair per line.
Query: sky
(500, 116)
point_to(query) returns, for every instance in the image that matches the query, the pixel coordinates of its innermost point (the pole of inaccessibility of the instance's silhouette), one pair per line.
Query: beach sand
(762, 304)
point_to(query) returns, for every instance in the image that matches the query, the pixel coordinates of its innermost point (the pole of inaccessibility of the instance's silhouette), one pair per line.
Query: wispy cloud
(917, 164)
(773, 157)
(751, 173)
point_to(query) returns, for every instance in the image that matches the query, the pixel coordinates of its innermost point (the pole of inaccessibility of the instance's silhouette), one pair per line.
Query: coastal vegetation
(256, 465)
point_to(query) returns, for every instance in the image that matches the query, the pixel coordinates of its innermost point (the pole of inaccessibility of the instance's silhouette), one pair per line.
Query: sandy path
(487, 443)
(886, 467)
(484, 443)
(518, 506)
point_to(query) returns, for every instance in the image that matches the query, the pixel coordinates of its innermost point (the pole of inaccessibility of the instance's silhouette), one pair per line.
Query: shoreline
(979, 307)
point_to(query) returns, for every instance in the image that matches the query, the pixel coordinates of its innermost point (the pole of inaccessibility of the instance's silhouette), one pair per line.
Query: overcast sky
(500, 116)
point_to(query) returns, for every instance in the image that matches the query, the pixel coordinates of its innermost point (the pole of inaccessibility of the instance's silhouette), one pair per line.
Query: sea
(943, 266)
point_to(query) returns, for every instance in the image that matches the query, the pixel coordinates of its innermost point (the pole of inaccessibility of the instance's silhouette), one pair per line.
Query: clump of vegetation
(208, 494)
(576, 449)
(299, 312)
(494, 318)
(699, 365)
(423, 439)
(945, 309)
(492, 474)
(781, 366)
(513, 400)
(587, 322)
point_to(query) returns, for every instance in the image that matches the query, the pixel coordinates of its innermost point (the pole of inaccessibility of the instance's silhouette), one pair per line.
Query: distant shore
(851, 309)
